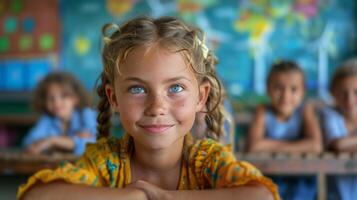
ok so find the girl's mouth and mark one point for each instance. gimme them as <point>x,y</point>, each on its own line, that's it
<point>156,128</point>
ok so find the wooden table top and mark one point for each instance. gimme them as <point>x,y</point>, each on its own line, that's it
<point>17,162</point>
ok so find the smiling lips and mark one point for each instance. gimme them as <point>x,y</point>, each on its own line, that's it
<point>156,128</point>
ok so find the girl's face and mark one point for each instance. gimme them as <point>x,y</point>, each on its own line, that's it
<point>157,96</point>
<point>346,96</point>
<point>60,102</point>
<point>286,91</point>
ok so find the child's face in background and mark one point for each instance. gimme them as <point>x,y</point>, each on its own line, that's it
<point>345,95</point>
<point>60,102</point>
<point>286,91</point>
<point>157,96</point>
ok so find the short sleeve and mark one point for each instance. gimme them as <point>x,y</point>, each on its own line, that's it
<point>97,167</point>
<point>333,125</point>
<point>217,167</point>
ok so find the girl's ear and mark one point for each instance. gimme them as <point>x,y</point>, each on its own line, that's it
<point>204,90</point>
<point>110,92</point>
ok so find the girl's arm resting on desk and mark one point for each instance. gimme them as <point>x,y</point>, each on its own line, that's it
<point>62,190</point>
<point>62,142</point>
<point>55,142</point>
<point>312,130</point>
<point>141,190</point>
<point>270,145</point>
<point>345,144</point>
<point>252,192</point>
<point>75,143</point>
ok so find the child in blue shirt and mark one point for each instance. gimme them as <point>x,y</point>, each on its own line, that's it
<point>287,125</point>
<point>67,123</point>
<point>339,123</point>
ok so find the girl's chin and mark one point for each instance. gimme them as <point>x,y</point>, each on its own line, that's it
<point>160,143</point>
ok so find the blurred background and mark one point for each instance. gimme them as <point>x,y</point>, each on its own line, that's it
<point>41,36</point>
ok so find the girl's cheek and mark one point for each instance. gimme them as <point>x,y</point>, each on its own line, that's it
<point>179,103</point>
<point>183,100</point>
<point>184,106</point>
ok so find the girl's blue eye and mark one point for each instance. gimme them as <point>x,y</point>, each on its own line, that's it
<point>136,90</point>
<point>176,88</point>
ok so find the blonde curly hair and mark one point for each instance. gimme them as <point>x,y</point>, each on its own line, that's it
<point>173,35</point>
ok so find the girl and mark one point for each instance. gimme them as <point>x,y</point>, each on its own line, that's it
<point>340,122</point>
<point>287,125</point>
<point>67,123</point>
<point>157,75</point>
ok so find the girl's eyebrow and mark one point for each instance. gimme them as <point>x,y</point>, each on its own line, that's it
<point>136,79</point>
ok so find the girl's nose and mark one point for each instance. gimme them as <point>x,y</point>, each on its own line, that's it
<point>157,105</point>
<point>286,94</point>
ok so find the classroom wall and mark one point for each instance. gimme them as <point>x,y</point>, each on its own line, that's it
<point>247,37</point>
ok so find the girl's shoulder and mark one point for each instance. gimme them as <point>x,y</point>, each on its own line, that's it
<point>208,144</point>
<point>206,150</point>
<point>262,108</point>
<point>106,148</point>
<point>86,111</point>
<point>331,112</point>
<point>46,119</point>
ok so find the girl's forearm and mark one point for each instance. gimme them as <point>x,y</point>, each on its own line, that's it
<point>346,144</point>
<point>63,191</point>
<point>300,146</point>
<point>62,142</point>
<point>244,192</point>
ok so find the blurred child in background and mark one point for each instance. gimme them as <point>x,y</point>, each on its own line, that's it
<point>66,122</point>
<point>339,123</point>
<point>288,125</point>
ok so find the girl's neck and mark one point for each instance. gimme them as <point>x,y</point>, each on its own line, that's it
<point>64,125</point>
<point>281,116</point>
<point>158,160</point>
<point>159,167</point>
<point>66,118</point>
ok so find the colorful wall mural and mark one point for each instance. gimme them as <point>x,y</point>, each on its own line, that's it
<point>247,36</point>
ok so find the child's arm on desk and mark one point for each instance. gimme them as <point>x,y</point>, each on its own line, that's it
<point>252,192</point>
<point>310,143</point>
<point>141,190</point>
<point>345,144</point>
<point>62,191</point>
<point>75,143</point>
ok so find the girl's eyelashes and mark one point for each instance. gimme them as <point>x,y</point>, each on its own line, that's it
<point>176,88</point>
<point>136,89</point>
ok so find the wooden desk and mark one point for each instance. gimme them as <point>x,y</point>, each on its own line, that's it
<point>18,120</point>
<point>20,163</point>
<point>304,164</point>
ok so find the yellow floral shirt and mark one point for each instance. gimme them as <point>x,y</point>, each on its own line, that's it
<point>107,163</point>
